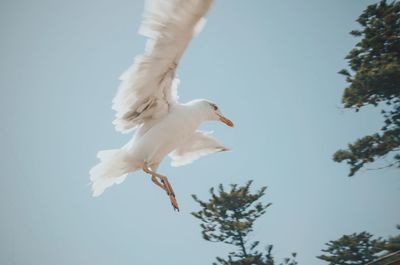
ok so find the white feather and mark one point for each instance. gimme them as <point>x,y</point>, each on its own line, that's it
<point>198,145</point>
<point>146,89</point>
<point>112,169</point>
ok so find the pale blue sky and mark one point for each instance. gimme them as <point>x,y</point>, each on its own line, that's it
<point>272,68</point>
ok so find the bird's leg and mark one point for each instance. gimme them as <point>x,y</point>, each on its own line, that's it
<point>155,181</point>
<point>170,191</point>
<point>165,185</point>
<point>154,177</point>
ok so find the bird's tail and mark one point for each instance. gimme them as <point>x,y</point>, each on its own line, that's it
<point>113,168</point>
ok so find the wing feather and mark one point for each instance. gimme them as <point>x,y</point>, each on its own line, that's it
<point>200,144</point>
<point>148,87</point>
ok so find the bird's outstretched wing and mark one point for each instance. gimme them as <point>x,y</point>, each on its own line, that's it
<point>148,87</point>
<point>199,144</point>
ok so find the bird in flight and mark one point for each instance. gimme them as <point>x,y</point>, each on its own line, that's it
<point>147,102</point>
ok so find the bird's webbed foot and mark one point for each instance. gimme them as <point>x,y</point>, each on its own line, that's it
<point>162,182</point>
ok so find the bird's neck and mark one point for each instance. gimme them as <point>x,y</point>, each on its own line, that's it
<point>197,111</point>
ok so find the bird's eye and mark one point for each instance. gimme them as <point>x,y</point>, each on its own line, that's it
<point>214,106</point>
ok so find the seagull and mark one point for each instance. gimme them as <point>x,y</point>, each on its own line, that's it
<point>147,102</point>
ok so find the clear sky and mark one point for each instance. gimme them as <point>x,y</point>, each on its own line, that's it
<point>272,68</point>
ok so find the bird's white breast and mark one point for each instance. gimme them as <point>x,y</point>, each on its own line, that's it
<point>164,136</point>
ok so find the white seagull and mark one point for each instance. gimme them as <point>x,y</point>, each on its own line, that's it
<point>147,102</point>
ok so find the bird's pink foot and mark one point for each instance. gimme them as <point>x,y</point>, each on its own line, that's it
<point>174,202</point>
<point>170,193</point>
<point>165,185</point>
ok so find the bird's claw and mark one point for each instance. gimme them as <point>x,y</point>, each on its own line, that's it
<point>174,202</point>
<point>171,194</point>
<point>165,185</point>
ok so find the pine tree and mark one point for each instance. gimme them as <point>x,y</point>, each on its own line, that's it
<point>393,243</point>
<point>228,217</point>
<point>374,79</point>
<point>354,249</point>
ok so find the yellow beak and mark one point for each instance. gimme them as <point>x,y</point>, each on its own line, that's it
<point>226,121</point>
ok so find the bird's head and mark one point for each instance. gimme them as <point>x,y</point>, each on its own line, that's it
<point>214,113</point>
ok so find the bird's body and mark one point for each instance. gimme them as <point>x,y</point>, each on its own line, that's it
<point>153,142</point>
<point>147,102</point>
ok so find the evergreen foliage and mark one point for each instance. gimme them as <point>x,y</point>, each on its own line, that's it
<point>393,243</point>
<point>228,217</point>
<point>354,249</point>
<point>374,79</point>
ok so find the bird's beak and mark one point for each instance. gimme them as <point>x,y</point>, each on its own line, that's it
<point>225,120</point>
